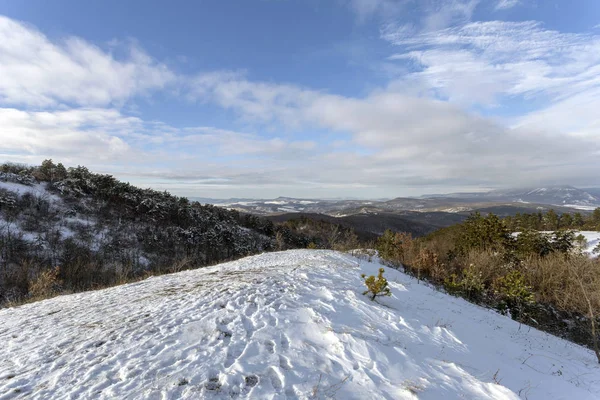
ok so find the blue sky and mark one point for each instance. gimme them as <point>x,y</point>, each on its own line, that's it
<point>341,98</point>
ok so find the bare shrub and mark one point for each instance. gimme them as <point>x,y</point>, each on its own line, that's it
<point>364,254</point>
<point>548,276</point>
<point>395,247</point>
<point>181,264</point>
<point>280,241</point>
<point>47,284</point>
<point>583,293</point>
<point>428,262</point>
<point>16,278</point>
<point>489,265</point>
<point>347,241</point>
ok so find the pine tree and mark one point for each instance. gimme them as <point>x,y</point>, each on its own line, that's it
<point>566,221</point>
<point>596,218</point>
<point>376,286</point>
<point>551,220</point>
<point>578,220</point>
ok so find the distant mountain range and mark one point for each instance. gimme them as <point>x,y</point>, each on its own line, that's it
<point>561,198</point>
<point>420,215</point>
<point>567,196</point>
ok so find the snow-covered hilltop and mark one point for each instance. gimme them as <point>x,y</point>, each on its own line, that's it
<point>290,325</point>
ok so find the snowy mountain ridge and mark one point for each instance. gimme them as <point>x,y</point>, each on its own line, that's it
<point>567,196</point>
<point>288,325</point>
<point>562,198</point>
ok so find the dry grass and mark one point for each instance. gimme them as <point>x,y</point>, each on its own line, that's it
<point>47,284</point>
<point>558,279</point>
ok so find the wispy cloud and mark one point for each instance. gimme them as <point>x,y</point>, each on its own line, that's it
<point>431,140</point>
<point>424,14</point>
<point>365,9</point>
<point>506,4</point>
<point>477,62</point>
<point>441,14</point>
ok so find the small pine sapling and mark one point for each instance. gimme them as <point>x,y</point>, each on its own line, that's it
<point>514,294</point>
<point>376,286</point>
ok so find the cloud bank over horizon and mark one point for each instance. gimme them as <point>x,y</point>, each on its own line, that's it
<point>459,95</point>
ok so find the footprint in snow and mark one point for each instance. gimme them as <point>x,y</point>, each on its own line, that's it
<point>251,309</point>
<point>249,326</point>
<point>285,342</point>
<point>251,380</point>
<point>270,345</point>
<point>285,363</point>
<point>233,354</point>
<point>272,320</point>
<point>275,378</point>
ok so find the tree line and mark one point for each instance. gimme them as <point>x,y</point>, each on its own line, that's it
<point>551,221</point>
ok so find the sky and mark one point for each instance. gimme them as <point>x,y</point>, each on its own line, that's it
<point>312,98</point>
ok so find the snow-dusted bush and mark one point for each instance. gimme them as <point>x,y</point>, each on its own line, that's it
<point>22,178</point>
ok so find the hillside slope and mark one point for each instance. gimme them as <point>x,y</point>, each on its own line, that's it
<point>289,325</point>
<point>101,231</point>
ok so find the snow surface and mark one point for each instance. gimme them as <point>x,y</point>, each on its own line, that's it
<point>593,239</point>
<point>289,325</point>
<point>39,189</point>
<point>580,206</point>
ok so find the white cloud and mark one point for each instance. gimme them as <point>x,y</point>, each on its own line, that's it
<point>574,117</point>
<point>394,142</point>
<point>400,140</point>
<point>131,148</point>
<point>214,142</point>
<point>35,71</point>
<point>85,134</point>
<point>506,4</point>
<point>394,138</point>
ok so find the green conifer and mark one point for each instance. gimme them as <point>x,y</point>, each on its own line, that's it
<point>376,286</point>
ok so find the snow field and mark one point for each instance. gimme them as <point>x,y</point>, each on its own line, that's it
<point>288,325</point>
